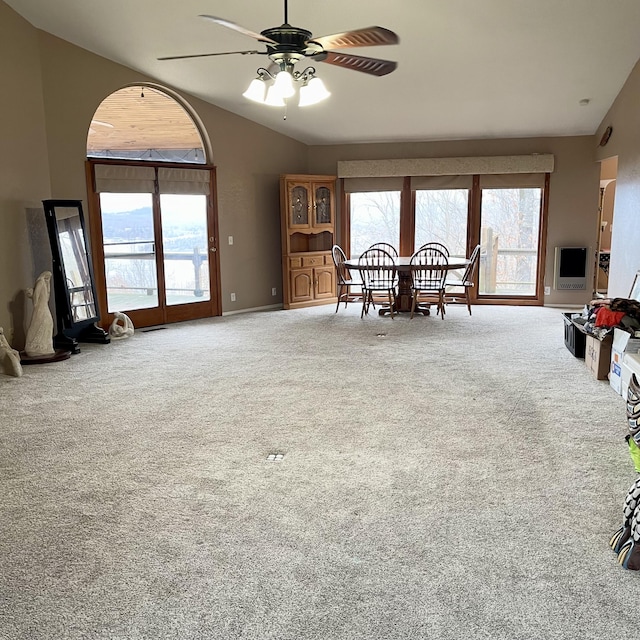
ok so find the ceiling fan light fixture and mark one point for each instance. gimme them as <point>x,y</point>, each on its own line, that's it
<point>256,90</point>
<point>287,45</point>
<point>313,92</point>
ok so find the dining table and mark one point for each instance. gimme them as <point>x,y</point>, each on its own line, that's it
<point>404,296</point>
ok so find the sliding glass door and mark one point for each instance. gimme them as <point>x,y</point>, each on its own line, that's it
<point>510,235</point>
<point>156,242</point>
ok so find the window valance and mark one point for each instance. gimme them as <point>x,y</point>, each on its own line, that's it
<point>116,178</point>
<point>479,165</point>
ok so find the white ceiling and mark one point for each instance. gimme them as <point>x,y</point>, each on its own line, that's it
<point>466,68</point>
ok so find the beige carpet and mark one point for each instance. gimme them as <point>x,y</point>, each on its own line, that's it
<point>441,479</point>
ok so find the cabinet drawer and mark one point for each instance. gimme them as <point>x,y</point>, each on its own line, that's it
<point>312,261</point>
<point>295,263</point>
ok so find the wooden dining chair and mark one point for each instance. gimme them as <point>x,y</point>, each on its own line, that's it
<point>379,277</point>
<point>437,245</point>
<point>349,287</point>
<point>466,282</point>
<point>389,248</point>
<point>428,276</point>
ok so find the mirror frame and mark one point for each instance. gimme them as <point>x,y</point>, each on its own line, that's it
<point>70,330</point>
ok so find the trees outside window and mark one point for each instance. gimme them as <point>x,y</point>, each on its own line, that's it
<point>509,233</point>
<point>441,216</point>
<point>375,217</point>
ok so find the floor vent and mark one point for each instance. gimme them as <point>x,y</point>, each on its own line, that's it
<point>275,457</point>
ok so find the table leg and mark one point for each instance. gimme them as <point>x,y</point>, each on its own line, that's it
<point>404,297</point>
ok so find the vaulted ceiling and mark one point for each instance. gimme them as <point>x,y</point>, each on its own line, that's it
<point>466,68</point>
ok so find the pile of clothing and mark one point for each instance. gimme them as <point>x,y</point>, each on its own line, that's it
<point>601,316</point>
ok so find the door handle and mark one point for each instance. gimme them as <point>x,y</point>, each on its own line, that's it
<point>213,249</point>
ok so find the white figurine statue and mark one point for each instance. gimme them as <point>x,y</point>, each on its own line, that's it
<point>124,330</point>
<point>40,333</point>
<point>9,358</point>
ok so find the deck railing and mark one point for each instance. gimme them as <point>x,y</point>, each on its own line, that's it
<point>140,282</point>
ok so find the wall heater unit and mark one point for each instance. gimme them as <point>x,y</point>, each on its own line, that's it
<point>570,268</point>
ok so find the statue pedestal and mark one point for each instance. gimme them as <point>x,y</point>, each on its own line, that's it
<point>91,333</point>
<point>57,356</point>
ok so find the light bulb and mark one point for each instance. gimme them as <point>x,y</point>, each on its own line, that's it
<point>274,97</point>
<point>256,90</point>
<point>313,92</point>
<point>284,82</point>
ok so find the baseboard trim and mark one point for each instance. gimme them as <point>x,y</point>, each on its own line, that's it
<point>271,307</point>
<point>577,307</point>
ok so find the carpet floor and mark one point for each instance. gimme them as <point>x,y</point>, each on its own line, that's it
<point>439,479</point>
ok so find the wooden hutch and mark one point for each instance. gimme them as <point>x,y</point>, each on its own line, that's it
<point>308,207</point>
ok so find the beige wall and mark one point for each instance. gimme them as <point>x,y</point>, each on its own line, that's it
<point>624,117</point>
<point>574,188</point>
<point>24,170</point>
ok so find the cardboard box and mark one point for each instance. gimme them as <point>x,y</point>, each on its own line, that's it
<point>597,356</point>
<point>623,343</point>
<point>630,364</point>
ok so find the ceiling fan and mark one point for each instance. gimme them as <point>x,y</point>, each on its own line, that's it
<point>286,45</point>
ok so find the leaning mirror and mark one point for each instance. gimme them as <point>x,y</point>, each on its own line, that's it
<point>75,296</point>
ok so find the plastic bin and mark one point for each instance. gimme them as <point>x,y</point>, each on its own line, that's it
<point>574,338</point>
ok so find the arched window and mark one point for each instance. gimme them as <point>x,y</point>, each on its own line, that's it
<point>144,123</point>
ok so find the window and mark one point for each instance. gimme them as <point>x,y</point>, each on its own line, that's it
<point>509,234</point>
<point>186,254</point>
<point>504,213</point>
<point>129,251</point>
<point>144,123</point>
<point>375,217</point>
<point>441,216</point>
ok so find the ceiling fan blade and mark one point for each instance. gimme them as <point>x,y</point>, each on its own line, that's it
<point>372,66</point>
<point>205,55</point>
<point>367,37</point>
<point>238,28</point>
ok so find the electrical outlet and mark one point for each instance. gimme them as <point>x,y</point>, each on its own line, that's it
<point>274,292</point>
<point>547,291</point>
<point>233,297</point>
